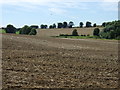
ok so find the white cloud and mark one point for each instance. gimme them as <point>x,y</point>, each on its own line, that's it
<point>109,6</point>
<point>56,6</point>
<point>57,10</point>
<point>110,0</point>
<point>48,1</point>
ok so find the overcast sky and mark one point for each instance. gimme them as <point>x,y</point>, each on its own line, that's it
<point>37,12</point>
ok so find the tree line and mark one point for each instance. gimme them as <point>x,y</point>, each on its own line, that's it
<point>28,30</point>
<point>31,30</point>
<point>111,30</point>
<point>67,25</point>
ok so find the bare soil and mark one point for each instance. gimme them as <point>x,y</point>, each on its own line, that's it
<point>46,62</point>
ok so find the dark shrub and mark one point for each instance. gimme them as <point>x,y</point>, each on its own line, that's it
<point>10,29</point>
<point>75,33</point>
<point>94,25</point>
<point>28,30</point>
<point>61,35</point>
<point>33,32</point>
<point>88,34</point>
<point>25,30</point>
<point>34,26</point>
<point>111,30</point>
<point>96,32</point>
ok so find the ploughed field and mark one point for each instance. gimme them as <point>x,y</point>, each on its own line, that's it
<point>46,62</point>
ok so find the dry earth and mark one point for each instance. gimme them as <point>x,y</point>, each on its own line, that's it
<point>46,62</point>
<point>57,32</point>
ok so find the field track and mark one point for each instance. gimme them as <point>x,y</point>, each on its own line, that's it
<point>45,62</point>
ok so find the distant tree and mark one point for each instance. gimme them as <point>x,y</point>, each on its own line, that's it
<point>33,31</point>
<point>111,30</point>
<point>81,24</point>
<point>104,24</point>
<point>34,26</point>
<point>50,26</point>
<point>10,29</point>
<point>96,32</point>
<point>25,30</point>
<point>43,26</point>
<point>88,24</point>
<point>60,25</point>
<point>65,25</point>
<point>70,24</point>
<point>117,32</point>
<point>3,28</point>
<point>112,34</point>
<point>54,25</point>
<point>75,33</point>
<point>18,29</point>
<point>28,30</point>
<point>94,25</point>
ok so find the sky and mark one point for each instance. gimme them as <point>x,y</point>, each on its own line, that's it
<point>37,12</point>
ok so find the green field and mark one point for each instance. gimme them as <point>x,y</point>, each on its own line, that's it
<point>76,37</point>
<point>18,32</point>
<point>83,37</point>
<point>2,31</point>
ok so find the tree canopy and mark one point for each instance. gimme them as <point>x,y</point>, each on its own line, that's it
<point>81,24</point>
<point>88,24</point>
<point>111,30</point>
<point>10,29</point>
<point>75,33</point>
<point>96,32</point>
<point>28,30</point>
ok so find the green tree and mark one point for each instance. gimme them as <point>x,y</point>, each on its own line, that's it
<point>34,26</point>
<point>94,25</point>
<point>111,35</point>
<point>96,32</point>
<point>33,31</point>
<point>25,30</point>
<point>50,27</point>
<point>70,24</point>
<point>75,33</point>
<point>54,25</point>
<point>10,29</point>
<point>111,30</point>
<point>88,24</point>
<point>104,24</point>
<point>65,25</point>
<point>81,24</point>
<point>28,30</point>
<point>60,25</point>
<point>43,26</point>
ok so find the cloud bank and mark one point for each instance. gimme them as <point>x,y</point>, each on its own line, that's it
<point>57,6</point>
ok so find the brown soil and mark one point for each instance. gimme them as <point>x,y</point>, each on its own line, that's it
<point>47,62</point>
<point>57,32</point>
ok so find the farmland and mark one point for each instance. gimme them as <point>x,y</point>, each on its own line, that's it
<point>42,61</point>
<point>57,32</point>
